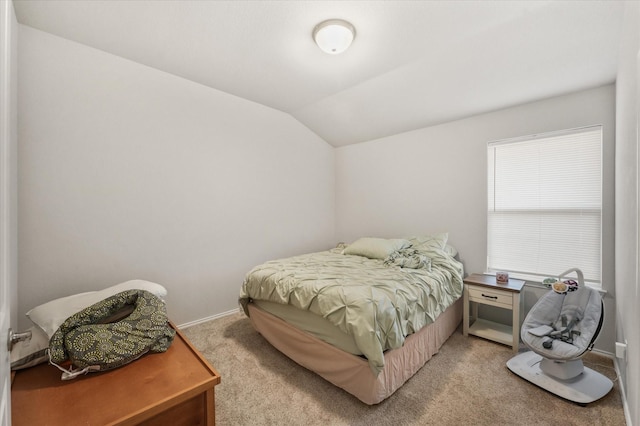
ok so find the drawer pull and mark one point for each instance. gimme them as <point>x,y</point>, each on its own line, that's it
<point>489,297</point>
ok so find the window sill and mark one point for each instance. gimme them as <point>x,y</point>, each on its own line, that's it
<point>537,284</point>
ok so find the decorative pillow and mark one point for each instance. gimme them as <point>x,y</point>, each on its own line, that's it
<point>438,241</point>
<point>31,352</point>
<point>451,250</point>
<point>49,316</point>
<point>376,248</point>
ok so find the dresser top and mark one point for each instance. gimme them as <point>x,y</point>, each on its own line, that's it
<point>125,395</point>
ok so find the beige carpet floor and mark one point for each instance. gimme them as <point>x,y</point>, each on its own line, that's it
<point>466,383</point>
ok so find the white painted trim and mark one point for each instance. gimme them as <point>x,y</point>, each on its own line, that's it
<point>604,353</point>
<point>6,249</point>
<point>207,319</point>
<point>623,395</point>
<point>536,284</point>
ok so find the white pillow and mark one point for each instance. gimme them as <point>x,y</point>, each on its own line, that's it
<point>28,353</point>
<point>376,248</point>
<point>426,242</point>
<point>451,250</point>
<point>49,316</point>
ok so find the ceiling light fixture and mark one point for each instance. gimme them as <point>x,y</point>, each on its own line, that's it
<point>334,35</point>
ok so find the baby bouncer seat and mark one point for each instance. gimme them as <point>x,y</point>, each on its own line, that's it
<point>559,329</point>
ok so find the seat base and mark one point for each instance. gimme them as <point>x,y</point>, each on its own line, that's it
<point>587,387</point>
<point>562,370</point>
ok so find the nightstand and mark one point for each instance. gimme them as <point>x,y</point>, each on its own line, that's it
<point>483,289</point>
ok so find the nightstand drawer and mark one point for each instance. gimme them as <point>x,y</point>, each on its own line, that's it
<point>488,296</point>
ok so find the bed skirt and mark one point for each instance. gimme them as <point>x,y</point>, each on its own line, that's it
<point>352,373</point>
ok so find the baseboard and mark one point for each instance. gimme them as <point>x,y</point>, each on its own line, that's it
<point>207,319</point>
<point>603,353</point>
<point>623,395</point>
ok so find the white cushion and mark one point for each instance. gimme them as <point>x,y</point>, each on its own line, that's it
<point>451,250</point>
<point>30,352</point>
<point>376,248</point>
<point>426,242</point>
<point>49,316</point>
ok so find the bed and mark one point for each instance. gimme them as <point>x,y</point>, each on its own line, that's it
<point>364,316</point>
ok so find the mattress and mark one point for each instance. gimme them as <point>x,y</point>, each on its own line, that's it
<point>315,325</point>
<point>377,301</point>
<point>351,372</point>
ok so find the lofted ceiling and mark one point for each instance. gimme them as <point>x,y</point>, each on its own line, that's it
<point>413,63</point>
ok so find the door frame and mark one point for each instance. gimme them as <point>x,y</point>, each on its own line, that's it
<point>8,196</point>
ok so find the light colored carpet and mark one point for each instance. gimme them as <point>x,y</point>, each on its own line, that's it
<point>466,383</point>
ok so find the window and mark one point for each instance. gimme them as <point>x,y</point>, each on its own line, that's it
<point>545,204</point>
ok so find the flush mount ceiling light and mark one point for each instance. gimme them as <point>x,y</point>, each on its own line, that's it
<point>334,35</point>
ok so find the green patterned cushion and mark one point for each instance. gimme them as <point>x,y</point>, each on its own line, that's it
<point>90,338</point>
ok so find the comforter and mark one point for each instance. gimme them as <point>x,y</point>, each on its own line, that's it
<point>378,302</point>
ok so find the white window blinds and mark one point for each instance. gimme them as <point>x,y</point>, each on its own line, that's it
<point>545,204</point>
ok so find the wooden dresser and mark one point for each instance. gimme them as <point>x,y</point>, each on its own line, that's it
<point>171,388</point>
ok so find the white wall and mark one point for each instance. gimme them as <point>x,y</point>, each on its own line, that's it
<point>627,216</point>
<point>128,172</point>
<point>435,179</point>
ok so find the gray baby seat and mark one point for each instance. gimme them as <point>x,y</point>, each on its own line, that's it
<point>559,329</point>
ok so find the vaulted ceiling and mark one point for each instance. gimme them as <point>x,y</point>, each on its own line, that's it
<point>412,64</point>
